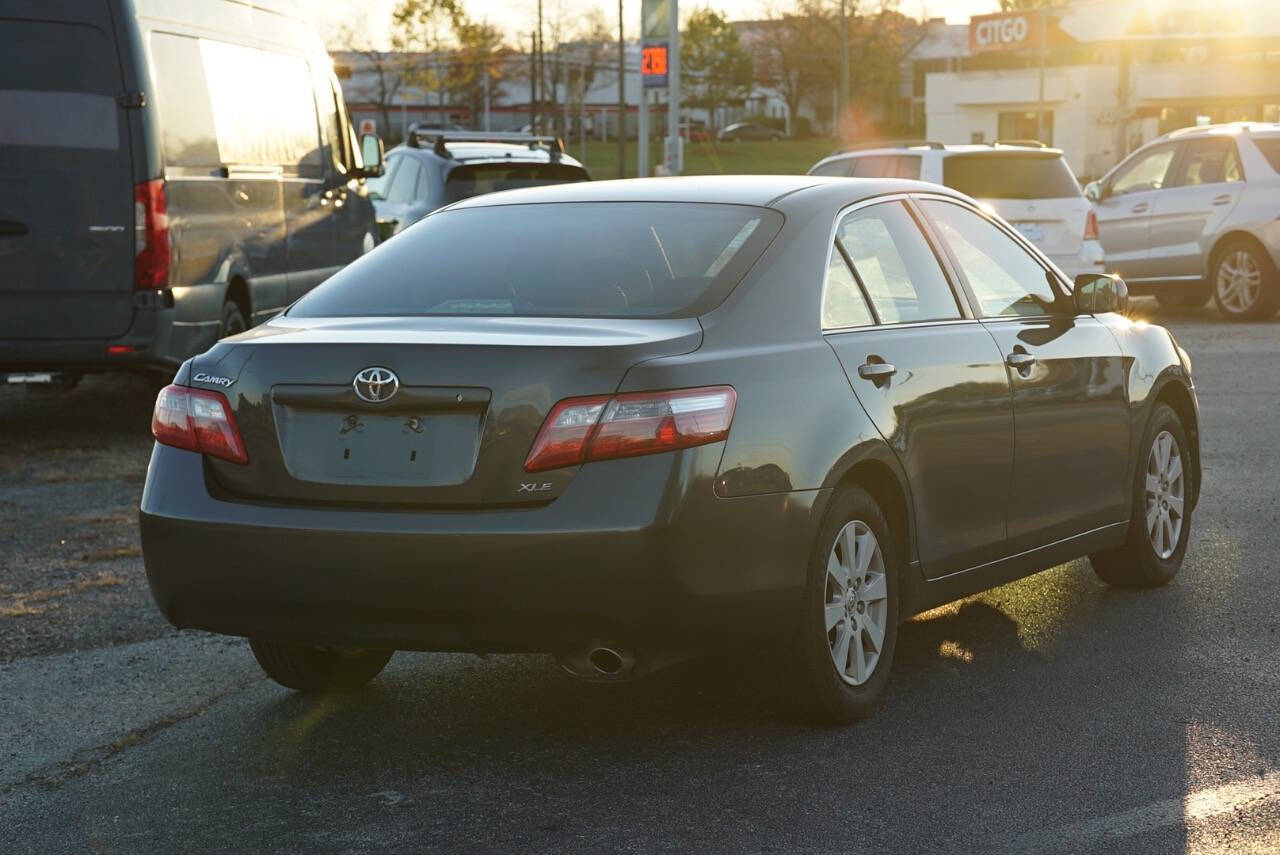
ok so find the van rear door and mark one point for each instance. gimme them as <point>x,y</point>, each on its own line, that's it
<point>66,183</point>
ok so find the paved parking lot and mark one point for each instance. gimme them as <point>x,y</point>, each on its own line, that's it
<point>1052,714</point>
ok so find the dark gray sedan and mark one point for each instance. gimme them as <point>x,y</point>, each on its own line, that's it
<point>625,421</point>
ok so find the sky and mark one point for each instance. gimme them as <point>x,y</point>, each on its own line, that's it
<point>518,16</point>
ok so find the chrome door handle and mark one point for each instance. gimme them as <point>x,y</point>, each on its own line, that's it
<point>876,371</point>
<point>1140,208</point>
<point>1020,361</point>
<point>1221,200</point>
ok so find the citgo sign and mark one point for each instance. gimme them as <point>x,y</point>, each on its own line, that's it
<point>1012,31</point>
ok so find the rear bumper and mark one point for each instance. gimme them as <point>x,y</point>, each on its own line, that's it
<point>1088,260</point>
<point>636,552</point>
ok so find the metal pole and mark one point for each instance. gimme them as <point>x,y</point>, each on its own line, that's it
<point>564,104</point>
<point>540,127</point>
<point>1044,52</point>
<point>622,97</point>
<point>642,136</point>
<point>533,81</point>
<point>673,97</point>
<point>486,99</point>
<point>844,71</point>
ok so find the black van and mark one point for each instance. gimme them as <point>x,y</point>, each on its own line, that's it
<point>170,172</point>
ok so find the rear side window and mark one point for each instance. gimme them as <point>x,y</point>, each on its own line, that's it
<point>58,86</point>
<point>225,104</point>
<point>465,181</point>
<point>1005,175</point>
<point>1208,161</point>
<point>837,168</point>
<point>842,302</point>
<point>1270,148</point>
<point>896,266</point>
<point>625,259</point>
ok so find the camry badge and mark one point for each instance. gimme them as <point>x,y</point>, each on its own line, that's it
<point>376,385</point>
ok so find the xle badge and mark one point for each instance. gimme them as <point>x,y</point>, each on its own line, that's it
<point>534,488</point>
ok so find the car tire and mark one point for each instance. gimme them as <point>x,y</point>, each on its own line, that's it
<point>821,693</point>
<point>1184,301</point>
<point>317,669</point>
<point>232,320</point>
<point>1244,282</point>
<point>1139,562</point>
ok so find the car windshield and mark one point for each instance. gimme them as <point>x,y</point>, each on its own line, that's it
<point>465,181</point>
<point>1010,176</point>
<point>617,259</point>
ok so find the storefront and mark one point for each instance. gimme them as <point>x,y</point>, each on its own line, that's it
<point>1115,75</point>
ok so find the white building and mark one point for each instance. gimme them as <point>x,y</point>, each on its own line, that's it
<point>1117,75</point>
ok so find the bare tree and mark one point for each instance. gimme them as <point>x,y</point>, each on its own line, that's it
<point>378,78</point>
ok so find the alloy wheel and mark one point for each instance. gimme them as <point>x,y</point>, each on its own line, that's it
<point>1165,494</point>
<point>857,603</point>
<point>1239,281</point>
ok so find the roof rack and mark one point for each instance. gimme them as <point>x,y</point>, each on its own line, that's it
<point>1022,143</point>
<point>863,146</point>
<point>440,140</point>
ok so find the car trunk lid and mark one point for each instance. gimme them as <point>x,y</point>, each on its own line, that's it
<point>471,395</point>
<point>1055,226</point>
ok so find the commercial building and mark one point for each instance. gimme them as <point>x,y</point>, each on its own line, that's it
<point>1116,74</point>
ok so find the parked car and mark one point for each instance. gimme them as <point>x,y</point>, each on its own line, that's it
<point>144,210</point>
<point>1026,183</point>
<point>749,131</point>
<point>432,170</point>
<point>1192,216</point>
<point>761,413</point>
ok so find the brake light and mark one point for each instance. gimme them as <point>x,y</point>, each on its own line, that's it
<point>150,237</point>
<point>197,420</point>
<point>578,430</point>
<point>1091,226</point>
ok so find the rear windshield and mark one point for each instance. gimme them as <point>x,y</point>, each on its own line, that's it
<point>1270,148</point>
<point>465,181</point>
<point>1010,176</point>
<point>58,86</point>
<point>613,259</point>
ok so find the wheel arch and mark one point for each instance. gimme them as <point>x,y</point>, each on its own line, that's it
<point>1171,391</point>
<point>1223,240</point>
<point>238,293</point>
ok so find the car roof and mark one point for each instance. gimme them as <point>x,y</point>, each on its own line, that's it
<point>477,152</point>
<point>1264,129</point>
<point>943,150</point>
<point>759,190</point>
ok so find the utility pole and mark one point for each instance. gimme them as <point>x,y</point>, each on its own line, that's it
<point>486,98</point>
<point>1044,53</point>
<point>622,97</point>
<point>540,127</point>
<point>844,71</point>
<point>533,81</point>
<point>673,90</point>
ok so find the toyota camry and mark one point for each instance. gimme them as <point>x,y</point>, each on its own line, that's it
<point>623,422</point>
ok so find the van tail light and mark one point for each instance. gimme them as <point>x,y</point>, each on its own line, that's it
<point>579,430</point>
<point>197,420</point>
<point>150,237</point>
<point>1091,226</point>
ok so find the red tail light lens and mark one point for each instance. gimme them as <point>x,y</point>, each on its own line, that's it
<point>1091,226</point>
<point>151,237</point>
<point>197,420</point>
<point>599,428</point>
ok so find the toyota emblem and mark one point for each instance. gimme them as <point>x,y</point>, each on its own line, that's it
<point>376,385</point>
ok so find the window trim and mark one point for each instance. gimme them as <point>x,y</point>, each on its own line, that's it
<point>1061,289</point>
<point>959,292</point>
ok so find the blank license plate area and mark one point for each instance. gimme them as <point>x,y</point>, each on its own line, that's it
<point>1033,232</point>
<point>403,449</point>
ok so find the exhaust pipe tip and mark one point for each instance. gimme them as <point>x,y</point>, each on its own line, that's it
<point>606,660</point>
<point>598,662</point>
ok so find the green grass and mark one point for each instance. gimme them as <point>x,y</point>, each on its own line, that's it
<point>793,157</point>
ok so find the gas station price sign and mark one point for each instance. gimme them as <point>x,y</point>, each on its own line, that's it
<point>653,65</point>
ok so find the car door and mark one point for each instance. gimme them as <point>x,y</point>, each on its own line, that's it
<point>1124,212</point>
<point>930,378</point>
<point>1070,404</point>
<point>1203,187</point>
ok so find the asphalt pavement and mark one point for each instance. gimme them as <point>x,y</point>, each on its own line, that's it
<point>1049,715</point>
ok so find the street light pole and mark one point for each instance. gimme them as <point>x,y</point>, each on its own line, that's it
<point>1044,52</point>
<point>622,97</point>
<point>844,70</point>
<point>673,92</point>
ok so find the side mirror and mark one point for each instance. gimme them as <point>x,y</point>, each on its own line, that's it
<point>1093,191</point>
<point>371,153</point>
<point>1101,292</point>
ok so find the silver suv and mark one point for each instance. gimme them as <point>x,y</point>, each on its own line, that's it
<point>1193,215</point>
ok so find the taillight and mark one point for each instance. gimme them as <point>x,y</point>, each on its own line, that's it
<point>1091,226</point>
<point>197,420</point>
<point>599,428</point>
<point>150,237</point>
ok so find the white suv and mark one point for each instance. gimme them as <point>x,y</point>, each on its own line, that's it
<point>1194,215</point>
<point>1026,184</point>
